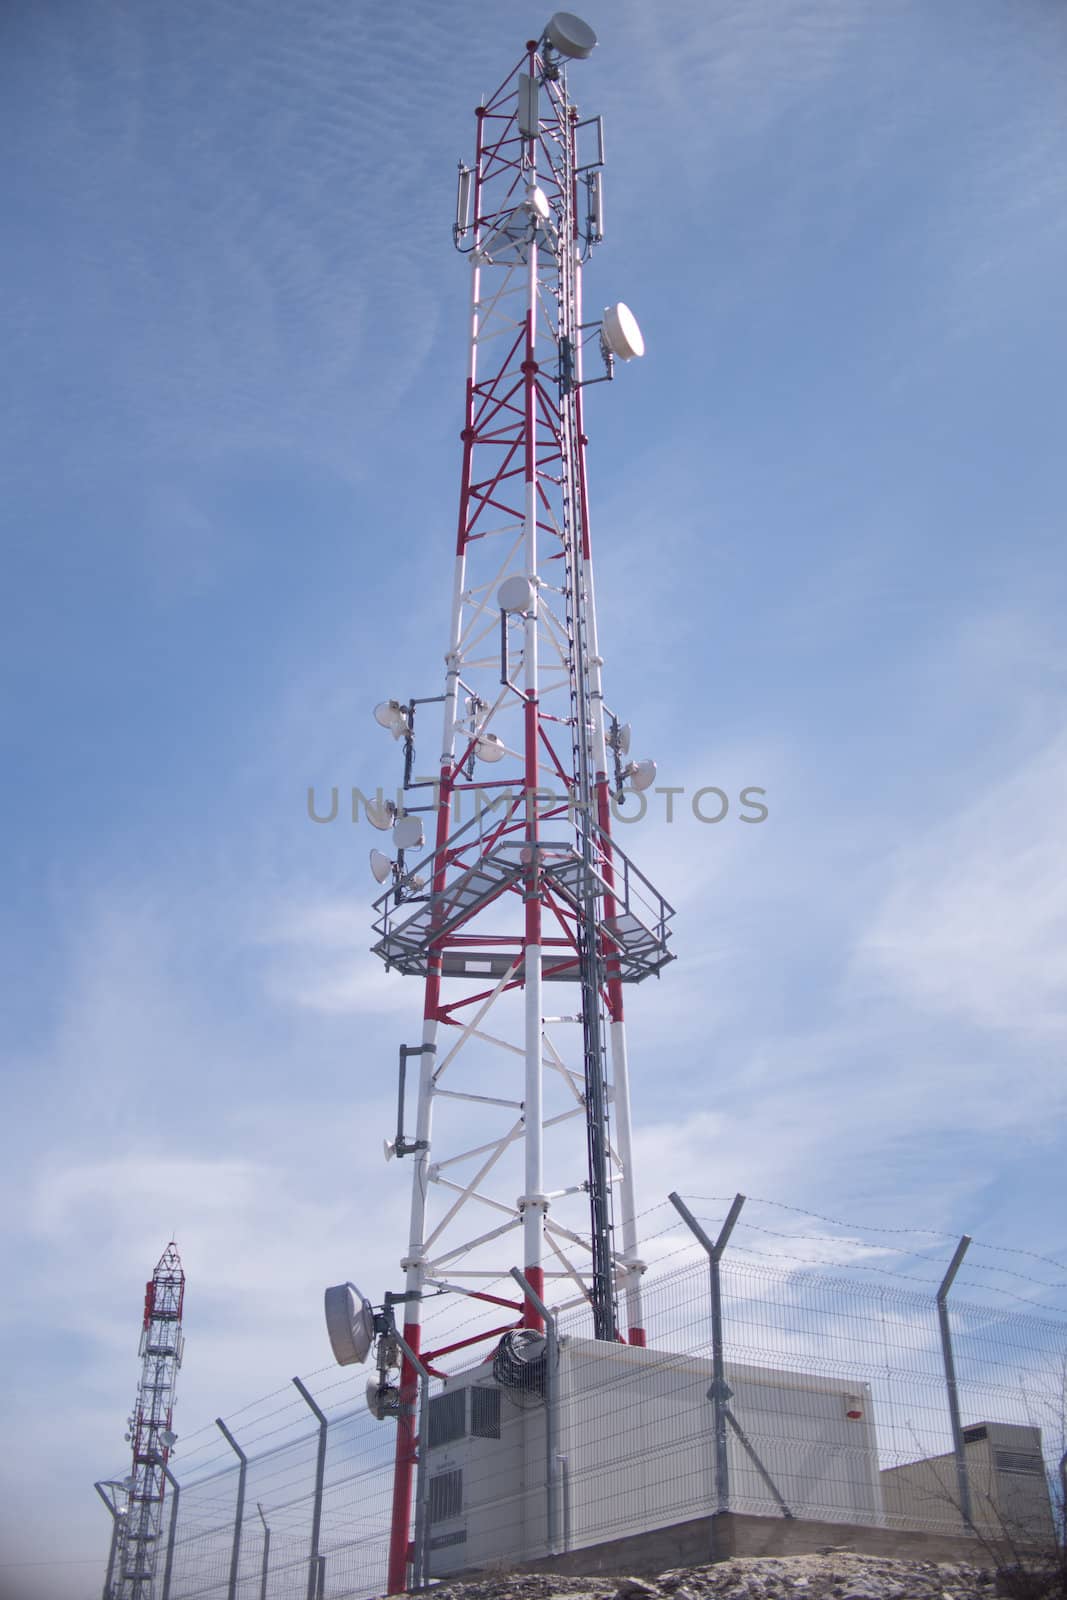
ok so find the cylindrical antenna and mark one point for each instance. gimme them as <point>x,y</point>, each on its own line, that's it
<point>463,200</point>
<point>594,222</point>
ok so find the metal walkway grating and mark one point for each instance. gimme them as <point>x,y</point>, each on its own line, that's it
<point>636,937</point>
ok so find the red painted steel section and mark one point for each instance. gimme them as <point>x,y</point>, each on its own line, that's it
<point>404,1470</point>
<point>474,1338</point>
<point>531,1317</point>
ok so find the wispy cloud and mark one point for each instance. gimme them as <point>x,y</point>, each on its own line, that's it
<point>974,924</point>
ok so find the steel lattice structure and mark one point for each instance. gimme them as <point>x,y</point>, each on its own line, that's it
<point>139,1526</point>
<point>522,1140</point>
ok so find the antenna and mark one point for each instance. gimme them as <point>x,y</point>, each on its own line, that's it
<point>407,833</point>
<point>463,203</point>
<point>381,866</point>
<point>381,814</point>
<point>392,715</point>
<point>349,1324</point>
<point>570,36</point>
<point>641,775</point>
<point>620,334</point>
<point>489,747</point>
<point>594,222</point>
<point>516,594</point>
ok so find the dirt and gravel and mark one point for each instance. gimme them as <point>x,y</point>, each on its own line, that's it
<point>832,1576</point>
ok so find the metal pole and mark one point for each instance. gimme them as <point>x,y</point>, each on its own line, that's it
<point>266,1554</point>
<point>99,1487</point>
<point>551,1408</point>
<point>720,1392</point>
<point>963,1487</point>
<point>422,1494</point>
<point>168,1567</point>
<point>1063,1495</point>
<point>320,1468</point>
<point>422,1490</point>
<point>565,1485</point>
<point>238,1516</point>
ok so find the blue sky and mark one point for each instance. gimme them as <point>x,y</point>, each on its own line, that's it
<point>828,513</point>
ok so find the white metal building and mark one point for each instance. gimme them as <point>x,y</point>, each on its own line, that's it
<point>635,1451</point>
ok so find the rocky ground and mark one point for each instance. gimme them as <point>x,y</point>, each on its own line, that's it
<point>833,1576</point>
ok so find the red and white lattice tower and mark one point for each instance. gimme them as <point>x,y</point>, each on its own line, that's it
<point>151,1428</point>
<point>520,915</point>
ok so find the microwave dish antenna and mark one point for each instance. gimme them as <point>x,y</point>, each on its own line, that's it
<point>570,36</point>
<point>407,833</point>
<point>516,595</point>
<point>381,866</point>
<point>349,1324</point>
<point>381,814</point>
<point>620,332</point>
<point>490,747</point>
<point>392,715</point>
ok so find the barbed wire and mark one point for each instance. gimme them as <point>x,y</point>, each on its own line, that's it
<point>782,1258</point>
<point>836,1222</point>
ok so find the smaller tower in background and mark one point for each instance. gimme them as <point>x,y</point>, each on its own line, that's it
<point>151,1428</point>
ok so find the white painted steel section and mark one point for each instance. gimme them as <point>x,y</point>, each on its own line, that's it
<point>414,1263</point>
<point>619,1057</point>
<point>627,1222</point>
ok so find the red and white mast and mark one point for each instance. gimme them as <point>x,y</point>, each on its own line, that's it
<point>151,1428</point>
<point>522,917</point>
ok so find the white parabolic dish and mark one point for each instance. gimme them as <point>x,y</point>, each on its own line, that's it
<point>490,747</point>
<point>621,334</point>
<point>380,865</point>
<point>407,834</point>
<point>381,814</point>
<point>516,593</point>
<point>570,35</point>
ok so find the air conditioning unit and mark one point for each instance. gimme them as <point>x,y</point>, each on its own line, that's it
<point>1008,1485</point>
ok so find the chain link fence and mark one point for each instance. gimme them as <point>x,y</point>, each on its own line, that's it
<point>773,1389</point>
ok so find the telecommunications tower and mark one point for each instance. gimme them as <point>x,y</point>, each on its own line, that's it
<point>138,1525</point>
<point>515,907</point>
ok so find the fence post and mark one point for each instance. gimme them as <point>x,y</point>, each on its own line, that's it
<point>169,1564</point>
<point>963,1487</point>
<point>238,1516</point>
<point>551,1411</point>
<point>720,1394</point>
<point>114,1513</point>
<point>265,1568</point>
<point>320,1468</point>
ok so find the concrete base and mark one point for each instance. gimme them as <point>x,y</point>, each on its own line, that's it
<point>717,1538</point>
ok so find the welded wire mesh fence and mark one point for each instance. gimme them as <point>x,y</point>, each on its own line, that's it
<point>832,1413</point>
